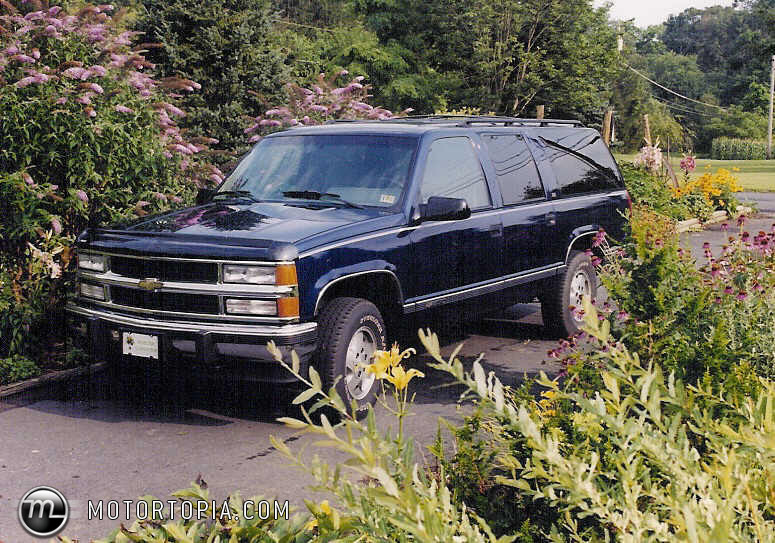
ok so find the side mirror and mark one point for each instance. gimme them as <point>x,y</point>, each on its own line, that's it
<point>445,209</point>
<point>204,196</point>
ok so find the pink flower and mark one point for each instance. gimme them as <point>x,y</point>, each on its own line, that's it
<point>599,238</point>
<point>176,199</point>
<point>24,59</point>
<point>81,195</point>
<point>28,179</point>
<point>95,87</point>
<point>742,295</point>
<point>56,225</point>
<point>122,109</point>
<point>25,81</point>
<point>174,110</point>
<point>75,72</point>
<point>160,196</point>
<point>254,138</point>
<point>688,164</point>
<point>60,101</point>
<point>741,220</point>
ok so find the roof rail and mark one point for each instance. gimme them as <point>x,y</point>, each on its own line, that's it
<point>468,120</point>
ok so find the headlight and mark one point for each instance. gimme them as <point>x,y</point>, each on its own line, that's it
<point>255,275</point>
<point>92,262</point>
<point>244,306</point>
<point>92,291</point>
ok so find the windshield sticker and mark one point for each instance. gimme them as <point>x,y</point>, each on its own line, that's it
<point>387,199</point>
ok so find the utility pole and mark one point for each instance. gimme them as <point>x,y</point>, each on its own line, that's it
<point>772,97</point>
<point>646,129</point>
<point>540,112</point>
<point>607,121</point>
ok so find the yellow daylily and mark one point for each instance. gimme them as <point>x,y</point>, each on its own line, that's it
<point>384,360</point>
<point>325,510</point>
<point>400,378</point>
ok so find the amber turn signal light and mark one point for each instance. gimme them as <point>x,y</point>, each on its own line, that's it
<point>285,274</point>
<point>288,307</point>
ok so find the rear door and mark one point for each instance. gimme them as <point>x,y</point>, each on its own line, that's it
<point>587,192</point>
<point>527,216</point>
<point>450,257</point>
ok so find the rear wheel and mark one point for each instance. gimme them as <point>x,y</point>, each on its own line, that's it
<point>350,330</point>
<point>567,293</point>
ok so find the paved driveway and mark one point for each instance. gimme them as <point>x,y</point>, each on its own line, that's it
<point>93,448</point>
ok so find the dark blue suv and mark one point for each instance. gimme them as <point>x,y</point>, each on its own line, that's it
<point>327,239</point>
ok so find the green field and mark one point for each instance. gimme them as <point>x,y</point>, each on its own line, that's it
<point>754,175</point>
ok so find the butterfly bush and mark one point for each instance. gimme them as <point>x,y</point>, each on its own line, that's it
<point>88,135</point>
<point>322,102</point>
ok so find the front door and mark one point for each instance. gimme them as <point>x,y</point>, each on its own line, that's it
<point>450,258</point>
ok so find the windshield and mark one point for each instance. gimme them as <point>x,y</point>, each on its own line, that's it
<point>366,170</point>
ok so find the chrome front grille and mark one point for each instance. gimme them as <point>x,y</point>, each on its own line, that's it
<point>164,301</point>
<point>179,289</point>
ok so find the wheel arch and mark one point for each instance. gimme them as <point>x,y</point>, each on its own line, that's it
<point>581,239</point>
<point>380,287</point>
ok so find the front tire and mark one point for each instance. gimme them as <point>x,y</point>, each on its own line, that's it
<point>350,331</point>
<point>566,293</point>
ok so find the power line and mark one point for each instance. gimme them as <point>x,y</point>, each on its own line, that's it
<point>672,105</point>
<point>671,91</point>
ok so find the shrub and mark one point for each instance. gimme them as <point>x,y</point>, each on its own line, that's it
<point>87,136</point>
<point>323,102</point>
<point>716,189</point>
<point>227,46</point>
<point>652,190</point>
<point>738,149</point>
<point>16,368</point>
<point>643,457</point>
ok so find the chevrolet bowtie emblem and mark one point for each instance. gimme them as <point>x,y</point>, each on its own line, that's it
<point>150,283</point>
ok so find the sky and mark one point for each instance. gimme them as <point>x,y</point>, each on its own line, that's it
<point>650,12</point>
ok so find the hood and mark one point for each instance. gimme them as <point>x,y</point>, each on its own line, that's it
<point>227,230</point>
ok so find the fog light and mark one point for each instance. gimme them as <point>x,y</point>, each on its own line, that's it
<point>245,306</point>
<point>92,291</point>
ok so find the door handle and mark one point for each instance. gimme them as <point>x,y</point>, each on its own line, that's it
<point>496,230</point>
<point>551,219</point>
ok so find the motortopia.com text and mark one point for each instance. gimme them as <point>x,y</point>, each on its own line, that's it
<point>158,510</point>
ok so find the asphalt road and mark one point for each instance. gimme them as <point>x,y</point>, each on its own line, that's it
<point>92,447</point>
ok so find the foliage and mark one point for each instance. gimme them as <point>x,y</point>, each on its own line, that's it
<point>738,149</point>
<point>652,191</point>
<point>16,368</point>
<point>643,457</point>
<point>716,189</point>
<point>225,45</point>
<point>86,136</point>
<point>700,323</point>
<point>323,102</point>
<point>504,56</point>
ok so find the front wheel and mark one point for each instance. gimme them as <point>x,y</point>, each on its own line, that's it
<point>350,330</point>
<point>566,294</point>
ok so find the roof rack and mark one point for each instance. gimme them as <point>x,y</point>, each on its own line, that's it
<point>468,120</point>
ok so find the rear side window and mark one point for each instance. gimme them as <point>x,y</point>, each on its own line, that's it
<point>578,172</point>
<point>514,167</point>
<point>453,171</point>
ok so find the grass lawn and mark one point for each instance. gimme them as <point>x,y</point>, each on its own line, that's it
<point>754,175</point>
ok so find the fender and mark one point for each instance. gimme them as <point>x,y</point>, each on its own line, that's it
<point>335,276</point>
<point>578,233</point>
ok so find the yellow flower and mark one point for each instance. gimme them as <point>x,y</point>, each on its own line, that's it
<point>325,510</point>
<point>400,378</point>
<point>384,360</point>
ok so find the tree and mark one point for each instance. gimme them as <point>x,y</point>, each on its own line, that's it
<point>226,45</point>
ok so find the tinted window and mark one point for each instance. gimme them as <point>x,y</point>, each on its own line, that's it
<point>589,144</point>
<point>363,169</point>
<point>453,171</point>
<point>577,174</point>
<point>517,173</point>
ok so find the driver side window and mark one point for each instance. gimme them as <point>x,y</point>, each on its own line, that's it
<point>452,170</point>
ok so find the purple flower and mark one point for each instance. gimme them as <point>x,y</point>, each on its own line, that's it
<point>95,87</point>
<point>728,290</point>
<point>725,226</point>
<point>319,108</point>
<point>176,199</point>
<point>741,220</point>
<point>60,101</point>
<point>160,196</point>
<point>75,72</point>
<point>599,238</point>
<point>25,81</point>
<point>742,295</point>
<point>56,225</point>
<point>81,195</point>
<point>622,315</point>
<point>28,179</point>
<point>123,109</point>
<point>24,59</point>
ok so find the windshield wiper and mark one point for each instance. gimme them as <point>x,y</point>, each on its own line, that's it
<point>315,195</point>
<point>238,193</point>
